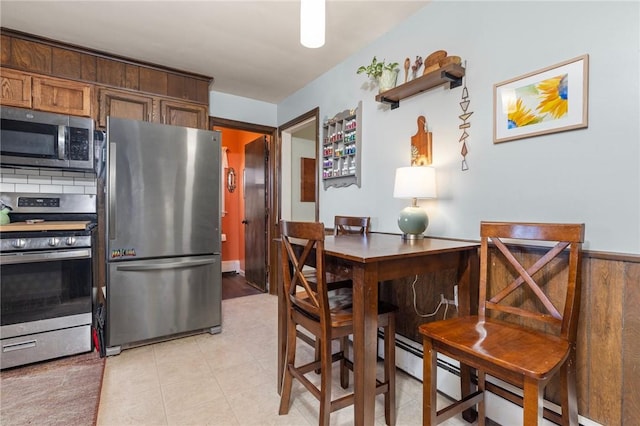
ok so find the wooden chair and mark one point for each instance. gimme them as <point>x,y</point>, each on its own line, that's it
<point>327,314</point>
<point>351,225</point>
<point>518,336</point>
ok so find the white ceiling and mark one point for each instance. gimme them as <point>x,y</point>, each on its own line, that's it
<point>250,48</point>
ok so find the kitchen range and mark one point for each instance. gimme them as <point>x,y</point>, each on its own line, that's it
<point>46,268</point>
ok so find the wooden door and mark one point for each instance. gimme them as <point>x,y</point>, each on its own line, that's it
<point>121,104</point>
<point>15,88</point>
<point>255,213</point>
<point>184,114</point>
<point>62,96</point>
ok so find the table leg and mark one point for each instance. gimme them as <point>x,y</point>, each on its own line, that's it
<point>365,335</point>
<point>468,304</point>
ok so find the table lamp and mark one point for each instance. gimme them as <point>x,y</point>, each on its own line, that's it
<point>414,182</point>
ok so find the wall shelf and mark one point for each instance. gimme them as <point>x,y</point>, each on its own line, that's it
<point>449,74</point>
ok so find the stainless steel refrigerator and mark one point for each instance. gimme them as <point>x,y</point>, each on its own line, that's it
<point>163,232</point>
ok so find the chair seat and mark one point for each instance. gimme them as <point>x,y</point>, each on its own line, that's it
<point>516,349</point>
<point>341,306</point>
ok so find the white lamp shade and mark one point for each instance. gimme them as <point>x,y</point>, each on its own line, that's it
<point>312,23</point>
<point>415,182</point>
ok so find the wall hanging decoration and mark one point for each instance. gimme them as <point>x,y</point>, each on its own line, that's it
<point>421,145</point>
<point>231,179</point>
<point>553,99</point>
<point>464,104</point>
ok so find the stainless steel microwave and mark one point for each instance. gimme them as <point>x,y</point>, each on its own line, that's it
<point>42,139</point>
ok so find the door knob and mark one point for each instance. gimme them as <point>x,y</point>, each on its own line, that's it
<point>245,221</point>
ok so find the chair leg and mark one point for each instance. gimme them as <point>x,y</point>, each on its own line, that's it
<point>285,397</point>
<point>317,349</point>
<point>429,383</point>
<point>390,371</point>
<point>532,402</point>
<point>569,399</point>
<point>482,409</point>
<point>325,381</point>
<point>344,370</point>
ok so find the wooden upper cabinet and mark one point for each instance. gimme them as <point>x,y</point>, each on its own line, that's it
<point>122,104</point>
<point>184,114</point>
<point>16,88</point>
<point>62,96</point>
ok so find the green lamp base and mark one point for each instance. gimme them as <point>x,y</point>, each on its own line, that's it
<point>413,221</point>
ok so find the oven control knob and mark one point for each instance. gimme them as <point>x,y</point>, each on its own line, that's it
<point>70,241</point>
<point>53,241</point>
<point>19,243</point>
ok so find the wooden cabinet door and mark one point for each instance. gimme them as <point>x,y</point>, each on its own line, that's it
<point>15,88</point>
<point>62,96</point>
<point>120,104</point>
<point>184,114</point>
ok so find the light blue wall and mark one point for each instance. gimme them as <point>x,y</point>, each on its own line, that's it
<point>590,175</point>
<point>231,107</point>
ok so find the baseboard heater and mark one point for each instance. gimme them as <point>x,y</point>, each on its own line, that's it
<point>500,404</point>
<point>230,266</point>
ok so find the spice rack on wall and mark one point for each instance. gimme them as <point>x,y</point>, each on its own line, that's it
<point>342,148</point>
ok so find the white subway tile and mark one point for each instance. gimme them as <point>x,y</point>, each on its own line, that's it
<point>7,170</point>
<point>32,172</point>
<point>47,172</point>
<point>39,180</point>
<point>73,174</point>
<point>68,189</point>
<point>7,187</point>
<point>27,188</point>
<point>61,180</point>
<point>90,190</point>
<point>15,179</point>
<point>84,181</point>
<point>51,189</point>
<point>90,175</point>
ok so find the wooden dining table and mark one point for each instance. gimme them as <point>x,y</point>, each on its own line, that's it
<point>369,259</point>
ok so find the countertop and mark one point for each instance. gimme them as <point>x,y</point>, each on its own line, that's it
<point>54,225</point>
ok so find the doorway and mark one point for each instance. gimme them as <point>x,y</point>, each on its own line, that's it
<point>235,252</point>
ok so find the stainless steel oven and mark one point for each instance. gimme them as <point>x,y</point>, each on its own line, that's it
<point>46,269</point>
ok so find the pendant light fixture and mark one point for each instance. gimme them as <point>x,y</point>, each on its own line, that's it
<point>312,23</point>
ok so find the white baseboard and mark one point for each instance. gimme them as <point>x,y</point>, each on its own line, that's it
<point>230,265</point>
<point>498,409</point>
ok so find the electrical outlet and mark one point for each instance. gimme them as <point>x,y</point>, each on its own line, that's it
<point>455,295</point>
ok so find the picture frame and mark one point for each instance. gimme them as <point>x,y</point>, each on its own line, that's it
<point>549,100</point>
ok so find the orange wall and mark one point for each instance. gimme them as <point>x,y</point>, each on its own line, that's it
<point>233,248</point>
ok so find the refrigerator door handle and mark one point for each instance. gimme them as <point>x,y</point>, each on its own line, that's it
<point>112,189</point>
<point>170,265</point>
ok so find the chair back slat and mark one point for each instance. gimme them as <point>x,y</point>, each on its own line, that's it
<point>532,301</point>
<point>344,225</point>
<point>299,291</point>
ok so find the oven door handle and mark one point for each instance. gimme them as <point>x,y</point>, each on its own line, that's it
<point>45,256</point>
<point>168,265</point>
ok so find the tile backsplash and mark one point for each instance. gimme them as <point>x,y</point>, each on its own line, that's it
<point>45,181</point>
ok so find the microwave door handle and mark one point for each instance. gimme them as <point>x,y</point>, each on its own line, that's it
<point>62,141</point>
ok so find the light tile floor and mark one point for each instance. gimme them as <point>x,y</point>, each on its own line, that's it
<point>226,379</point>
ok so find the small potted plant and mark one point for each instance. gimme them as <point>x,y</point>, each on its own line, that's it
<point>385,74</point>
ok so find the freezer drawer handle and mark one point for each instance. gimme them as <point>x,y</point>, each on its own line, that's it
<point>17,346</point>
<point>172,265</point>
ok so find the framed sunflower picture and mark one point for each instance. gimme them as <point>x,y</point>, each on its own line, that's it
<point>553,99</point>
